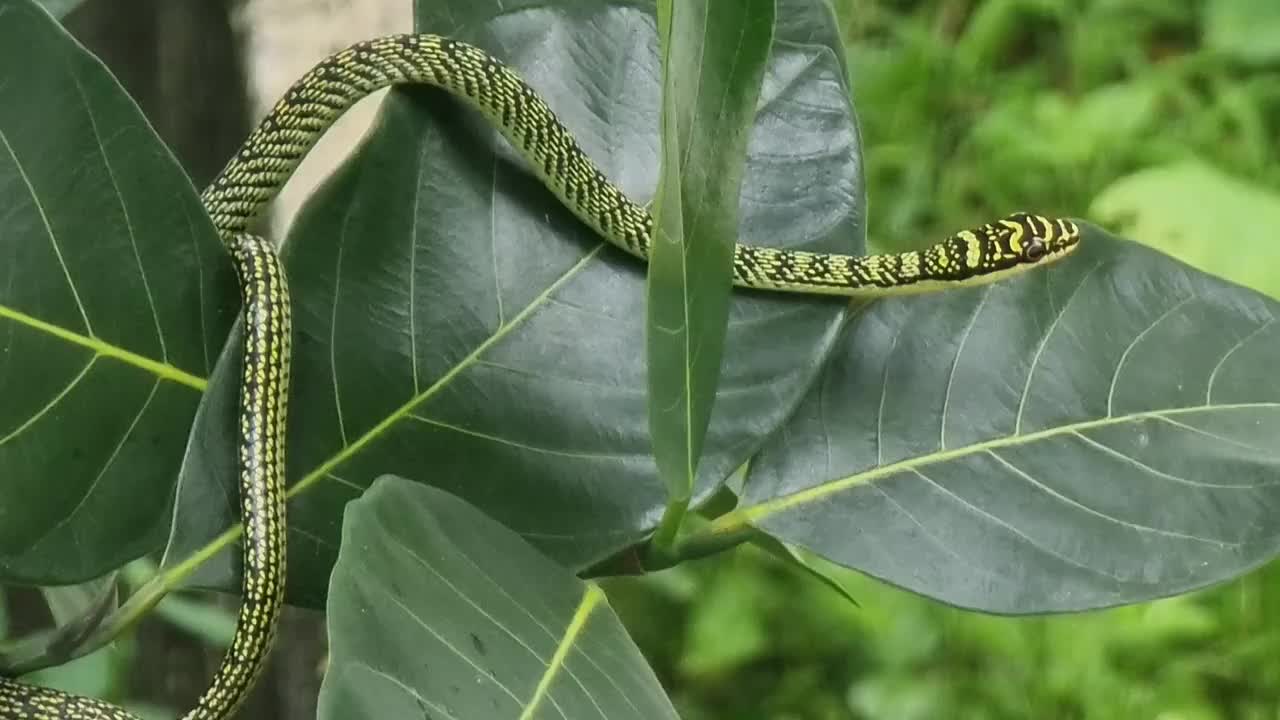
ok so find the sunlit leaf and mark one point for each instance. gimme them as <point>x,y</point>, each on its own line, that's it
<point>437,611</point>
<point>1187,209</point>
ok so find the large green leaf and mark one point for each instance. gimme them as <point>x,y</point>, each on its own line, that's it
<point>115,297</point>
<point>456,325</point>
<point>714,60</point>
<point>1187,208</point>
<point>437,611</point>
<point>1096,433</point>
<point>1245,31</point>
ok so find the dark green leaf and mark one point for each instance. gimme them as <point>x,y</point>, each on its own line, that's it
<point>455,324</point>
<point>114,299</point>
<point>715,56</point>
<point>437,611</point>
<point>1099,432</point>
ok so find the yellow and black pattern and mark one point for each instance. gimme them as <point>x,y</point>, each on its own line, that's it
<point>980,255</point>
<point>264,399</point>
<point>19,701</point>
<point>264,163</point>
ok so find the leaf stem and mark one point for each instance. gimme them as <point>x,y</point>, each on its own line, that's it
<point>662,549</point>
<point>717,536</point>
<point>127,615</point>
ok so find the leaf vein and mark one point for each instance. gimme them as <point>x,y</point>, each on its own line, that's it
<point>817,492</point>
<point>951,376</point>
<point>1011,528</point>
<point>466,598</point>
<point>423,702</point>
<point>518,605</point>
<point>1213,375</point>
<point>519,445</point>
<point>1138,527</point>
<point>333,332</point>
<point>934,539</point>
<point>48,227</point>
<point>884,391</point>
<point>441,639</point>
<point>52,402</point>
<point>493,241</point>
<point>1162,474</point>
<point>1044,341</point>
<point>106,465</point>
<point>100,144</point>
<point>1115,376</point>
<point>100,347</point>
<point>547,378</point>
<point>413,268</point>
<point>590,599</point>
<point>1215,436</point>
<point>404,410</point>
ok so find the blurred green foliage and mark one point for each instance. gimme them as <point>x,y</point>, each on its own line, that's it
<point>1114,110</point>
<point>1159,120</point>
<point>742,637</point>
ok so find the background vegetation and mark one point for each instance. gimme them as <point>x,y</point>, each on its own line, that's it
<point>1157,119</point>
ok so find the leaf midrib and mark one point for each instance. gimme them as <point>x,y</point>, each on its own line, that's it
<point>765,509</point>
<point>591,598</point>
<point>162,370</point>
<point>404,411</point>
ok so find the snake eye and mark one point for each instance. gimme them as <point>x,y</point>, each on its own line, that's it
<point>1035,249</point>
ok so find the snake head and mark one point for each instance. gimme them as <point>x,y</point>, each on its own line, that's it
<point>1024,239</point>
<point>1009,245</point>
<point>998,249</point>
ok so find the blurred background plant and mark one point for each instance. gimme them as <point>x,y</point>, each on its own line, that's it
<point>1157,119</point>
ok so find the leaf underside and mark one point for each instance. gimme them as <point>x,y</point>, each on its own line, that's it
<point>437,611</point>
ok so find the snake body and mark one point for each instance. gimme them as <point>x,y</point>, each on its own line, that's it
<point>264,384</point>
<point>264,163</point>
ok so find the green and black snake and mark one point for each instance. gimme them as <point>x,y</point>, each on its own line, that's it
<point>266,160</point>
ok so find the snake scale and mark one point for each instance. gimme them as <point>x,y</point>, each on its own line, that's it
<point>264,163</point>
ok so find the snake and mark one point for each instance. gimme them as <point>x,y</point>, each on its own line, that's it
<point>237,197</point>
